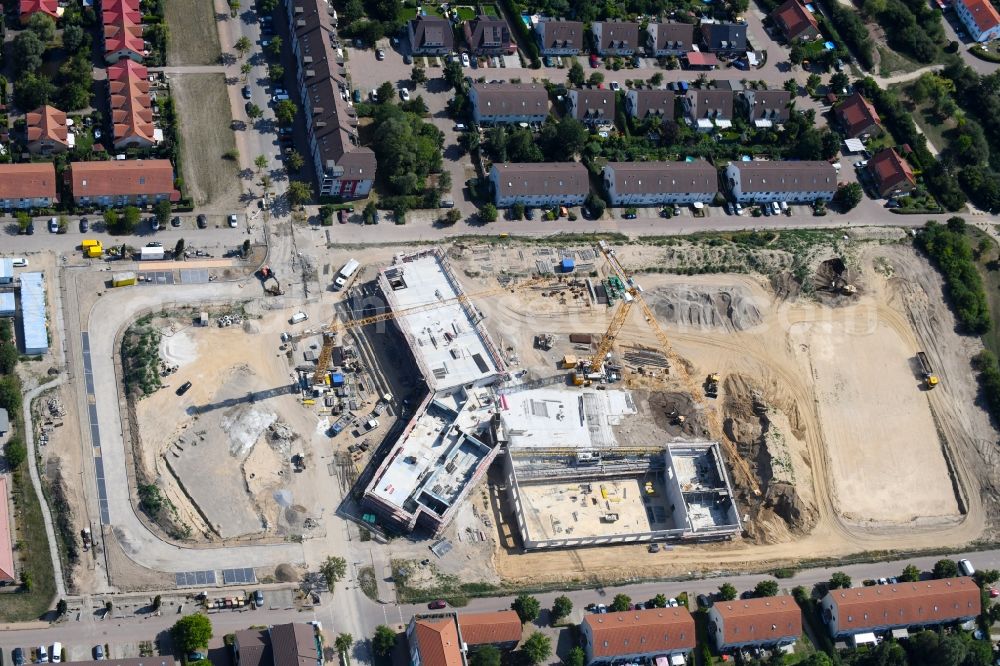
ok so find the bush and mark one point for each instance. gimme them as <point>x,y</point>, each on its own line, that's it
<point>985,363</point>
<point>951,253</point>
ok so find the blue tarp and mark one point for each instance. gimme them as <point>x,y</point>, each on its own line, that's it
<point>337,379</point>
<point>568,265</point>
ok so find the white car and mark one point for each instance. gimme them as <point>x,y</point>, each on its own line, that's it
<point>615,86</point>
<point>404,94</point>
<point>232,220</point>
<point>465,60</point>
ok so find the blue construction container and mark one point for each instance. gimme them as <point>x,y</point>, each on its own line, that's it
<point>337,379</point>
<point>568,265</point>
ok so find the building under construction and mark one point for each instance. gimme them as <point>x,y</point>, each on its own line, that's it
<point>577,474</point>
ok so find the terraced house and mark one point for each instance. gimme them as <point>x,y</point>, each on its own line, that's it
<point>760,622</point>
<point>131,107</point>
<point>24,186</point>
<point>431,35</point>
<point>488,36</point>
<point>638,636</point>
<point>615,38</point>
<point>658,183</point>
<point>505,103</point>
<point>592,106</point>
<point>559,37</point>
<point>793,182</point>
<point>46,131</point>
<point>539,184</point>
<point>115,183</point>
<point>766,108</point>
<point>122,30</point>
<point>706,110</point>
<point>343,166</point>
<point>641,103</point>
<point>669,39</point>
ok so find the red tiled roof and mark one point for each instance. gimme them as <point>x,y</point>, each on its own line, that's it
<point>794,18</point>
<point>29,7</point>
<point>643,631</point>
<point>490,628</point>
<point>702,59</point>
<point>983,13</point>
<point>857,113</point>
<point>122,177</point>
<point>762,619</point>
<point>890,170</point>
<point>6,547</point>
<point>905,604</point>
<point>122,26</point>
<point>47,122</point>
<point>131,112</point>
<point>27,181</point>
<point>437,641</point>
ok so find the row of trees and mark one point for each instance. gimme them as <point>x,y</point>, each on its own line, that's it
<point>853,31</point>
<point>950,251</point>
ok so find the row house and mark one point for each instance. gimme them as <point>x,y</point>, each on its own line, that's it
<point>47,132</point>
<point>25,186</point>
<point>447,639</point>
<point>559,38</point>
<point>540,184</point>
<point>766,108</point>
<point>122,21</point>
<point>114,183</point>
<point>344,168</point>
<point>505,103</point>
<point>293,644</point>
<point>669,39</point>
<point>488,36</point>
<point>659,183</point>
<point>431,35</point>
<point>639,636</point>
<point>592,106</point>
<point>793,182</point>
<point>131,107</point>
<point>615,38</point>
<point>707,110</point>
<point>642,103</point>
<point>723,37</point>
<point>763,622</point>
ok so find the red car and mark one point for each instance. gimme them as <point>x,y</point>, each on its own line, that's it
<point>594,60</point>
<point>437,604</point>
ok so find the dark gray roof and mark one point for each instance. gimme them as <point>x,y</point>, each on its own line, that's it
<point>534,178</point>
<point>511,99</point>
<point>664,177</point>
<point>308,15</point>
<point>253,647</point>
<point>594,103</point>
<point>561,34</point>
<point>724,36</point>
<point>786,176</point>
<point>488,32</point>
<point>652,101</point>
<point>618,34</point>
<point>673,35</point>
<point>295,645</point>
<point>710,103</point>
<point>433,29</point>
<point>768,104</point>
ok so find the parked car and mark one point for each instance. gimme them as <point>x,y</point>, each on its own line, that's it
<point>616,86</point>
<point>176,222</point>
<point>258,598</point>
<point>84,225</point>
<point>371,424</point>
<point>17,655</point>
<point>245,90</point>
<point>53,225</point>
<point>202,222</point>
<point>98,653</point>
<point>30,229</point>
<point>460,127</point>
<point>595,62</point>
<point>738,208</point>
<point>404,94</point>
<point>407,59</point>
<point>601,608</point>
<point>196,656</point>
<point>465,60</point>
<point>42,656</point>
<point>437,604</point>
<point>673,603</point>
<point>183,388</point>
<point>232,220</point>
<point>380,54</point>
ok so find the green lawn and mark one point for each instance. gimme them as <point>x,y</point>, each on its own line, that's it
<point>892,62</point>
<point>491,10</point>
<point>466,13</point>
<point>407,13</point>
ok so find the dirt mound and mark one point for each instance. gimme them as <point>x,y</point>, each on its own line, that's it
<point>730,308</point>
<point>834,279</point>
<point>286,573</point>
<point>675,413</point>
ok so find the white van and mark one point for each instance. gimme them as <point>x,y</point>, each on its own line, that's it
<point>346,272</point>
<point>43,655</point>
<point>56,652</point>
<point>19,262</point>
<point>298,318</point>
<point>965,568</point>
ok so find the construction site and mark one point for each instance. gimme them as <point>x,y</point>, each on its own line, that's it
<point>572,411</point>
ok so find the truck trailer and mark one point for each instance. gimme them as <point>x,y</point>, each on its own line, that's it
<point>126,279</point>
<point>926,371</point>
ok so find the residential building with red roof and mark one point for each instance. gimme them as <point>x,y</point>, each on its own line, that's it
<point>434,641</point>
<point>859,610</point>
<point>24,186</point>
<point>7,574</point>
<point>47,131</point>
<point>980,18</point>
<point>501,628</point>
<point>631,636</point>
<point>858,117</point>
<point>891,173</point>
<point>28,8</point>
<point>122,182</point>
<point>795,21</point>
<point>122,30</point>
<point>131,109</point>
<point>758,622</point>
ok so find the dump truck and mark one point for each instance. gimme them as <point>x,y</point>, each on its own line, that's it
<point>93,252</point>
<point>926,371</point>
<point>712,385</point>
<point>123,279</point>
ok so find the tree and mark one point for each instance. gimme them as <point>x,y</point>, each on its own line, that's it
<point>596,79</point>
<point>840,579</point>
<point>468,141</point>
<point>839,82</point>
<point>537,648</point>
<point>596,205</point>
<point>10,393</point>
<point>299,192</point>
<point>284,111</point>
<point>162,211</point>
<point>517,211</point>
<point>812,83</point>
<point>488,213</point>
<point>275,46</point>
<point>26,52</point>
<point>260,162</point>
<point>333,569</point>
<point>911,574</point>
<point>234,8</point>
<point>62,607</point>
<point>157,602</point>
<point>276,73</point>
<point>73,38</point>
<point>354,11</point>
<point>576,657</point>
<point>26,582</point>
<point>945,569</point>
<point>487,655</point>
<point>295,160</point>
<point>243,45</point>
<point>369,213</point>
<point>8,358</point>
<point>43,26</point>
<point>792,86</point>
<point>727,592</point>
<point>452,217</point>
<point>766,588</point>
<point>343,643</point>
<point>31,90</point>
<point>384,640</point>
<point>576,75</point>
<point>245,70</point>
<point>656,79</point>
<point>525,605</point>
<point>15,452</point>
<point>386,93</point>
<point>254,112</point>
<point>561,141</point>
<point>454,75</point>
<point>621,602</point>
<point>561,607</point>
<point>129,220</point>
<point>418,75</point>
<point>179,249</point>
<point>848,196</point>
<point>659,601</point>
<point>192,632</point>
